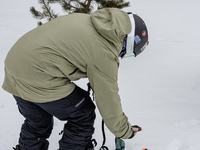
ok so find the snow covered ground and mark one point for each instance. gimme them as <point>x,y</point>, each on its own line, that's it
<point>160,89</point>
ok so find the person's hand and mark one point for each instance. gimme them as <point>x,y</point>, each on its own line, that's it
<point>136,129</point>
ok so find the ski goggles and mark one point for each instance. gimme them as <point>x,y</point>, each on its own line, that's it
<point>124,53</point>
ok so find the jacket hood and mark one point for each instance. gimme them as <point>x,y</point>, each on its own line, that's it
<point>113,24</point>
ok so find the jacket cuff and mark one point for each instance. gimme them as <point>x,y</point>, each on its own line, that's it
<point>133,134</point>
<point>129,132</point>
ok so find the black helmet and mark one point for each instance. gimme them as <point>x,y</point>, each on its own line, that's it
<point>137,40</point>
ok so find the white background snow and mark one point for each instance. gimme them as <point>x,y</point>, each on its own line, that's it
<point>160,89</point>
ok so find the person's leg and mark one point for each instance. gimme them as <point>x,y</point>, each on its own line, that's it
<point>79,129</point>
<point>78,110</point>
<point>37,126</point>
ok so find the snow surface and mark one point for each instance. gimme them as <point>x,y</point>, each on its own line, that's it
<point>160,89</point>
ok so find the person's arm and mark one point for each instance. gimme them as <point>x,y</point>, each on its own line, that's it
<point>103,78</point>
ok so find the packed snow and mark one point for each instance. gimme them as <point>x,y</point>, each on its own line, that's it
<point>160,89</point>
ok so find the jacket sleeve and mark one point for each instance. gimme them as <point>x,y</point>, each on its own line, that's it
<point>103,78</point>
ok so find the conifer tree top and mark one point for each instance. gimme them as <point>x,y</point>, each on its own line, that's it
<point>74,6</point>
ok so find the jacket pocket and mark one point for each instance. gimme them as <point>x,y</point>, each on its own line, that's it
<point>76,75</point>
<point>73,72</point>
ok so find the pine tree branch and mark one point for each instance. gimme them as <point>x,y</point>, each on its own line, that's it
<point>74,6</point>
<point>112,3</point>
<point>47,8</point>
<point>71,4</point>
<point>88,6</point>
<point>36,14</point>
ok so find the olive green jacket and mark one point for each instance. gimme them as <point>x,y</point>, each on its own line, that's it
<point>42,64</point>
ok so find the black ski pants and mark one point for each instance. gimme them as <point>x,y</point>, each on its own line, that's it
<point>77,109</point>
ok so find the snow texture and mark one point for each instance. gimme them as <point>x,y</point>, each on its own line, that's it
<point>160,89</point>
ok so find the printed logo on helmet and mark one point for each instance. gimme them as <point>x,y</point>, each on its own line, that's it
<point>145,45</point>
<point>143,33</point>
<point>137,39</point>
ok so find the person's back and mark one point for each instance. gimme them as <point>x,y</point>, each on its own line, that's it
<point>45,57</point>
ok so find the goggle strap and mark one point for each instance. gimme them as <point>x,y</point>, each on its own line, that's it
<point>130,37</point>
